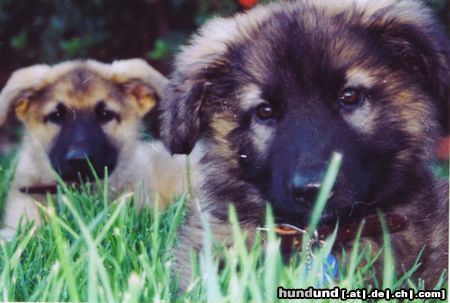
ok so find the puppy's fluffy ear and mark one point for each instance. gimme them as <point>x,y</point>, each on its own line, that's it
<point>144,95</point>
<point>180,113</point>
<point>141,81</point>
<point>183,107</point>
<point>20,88</point>
<point>421,48</point>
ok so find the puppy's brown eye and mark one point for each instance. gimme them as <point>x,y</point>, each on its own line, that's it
<point>264,111</point>
<point>351,97</point>
<point>57,116</point>
<point>104,115</point>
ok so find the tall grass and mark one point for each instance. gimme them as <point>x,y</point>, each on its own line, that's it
<point>92,249</point>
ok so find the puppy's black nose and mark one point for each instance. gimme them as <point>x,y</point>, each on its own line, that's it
<point>304,188</point>
<point>76,159</point>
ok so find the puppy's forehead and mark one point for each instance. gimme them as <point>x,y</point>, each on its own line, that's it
<point>307,61</point>
<point>311,38</point>
<point>81,88</point>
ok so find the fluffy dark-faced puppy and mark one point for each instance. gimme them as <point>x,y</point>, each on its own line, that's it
<point>80,111</point>
<point>265,97</point>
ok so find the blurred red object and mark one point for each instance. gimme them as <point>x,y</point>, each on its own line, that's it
<point>443,152</point>
<point>248,3</point>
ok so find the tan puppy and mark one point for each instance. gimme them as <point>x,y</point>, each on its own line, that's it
<point>80,110</point>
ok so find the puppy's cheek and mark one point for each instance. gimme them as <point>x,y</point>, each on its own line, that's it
<point>361,119</point>
<point>261,137</point>
<point>122,133</point>
<point>44,134</point>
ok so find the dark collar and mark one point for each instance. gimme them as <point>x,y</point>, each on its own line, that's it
<point>292,236</point>
<point>39,190</point>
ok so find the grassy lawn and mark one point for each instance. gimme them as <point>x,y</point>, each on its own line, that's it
<point>96,250</point>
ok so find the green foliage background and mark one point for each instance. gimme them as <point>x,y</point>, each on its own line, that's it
<point>51,31</point>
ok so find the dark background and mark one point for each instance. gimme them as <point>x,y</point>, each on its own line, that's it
<point>51,31</point>
<point>46,31</point>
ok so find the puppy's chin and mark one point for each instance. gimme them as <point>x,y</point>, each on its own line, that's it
<point>331,217</point>
<point>343,215</point>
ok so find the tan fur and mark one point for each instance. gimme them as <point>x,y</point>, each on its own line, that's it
<point>145,168</point>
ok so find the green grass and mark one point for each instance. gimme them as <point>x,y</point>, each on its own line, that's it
<point>92,249</point>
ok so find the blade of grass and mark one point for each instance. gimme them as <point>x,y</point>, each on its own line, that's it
<point>105,188</point>
<point>63,224</point>
<point>209,268</point>
<point>155,237</point>
<point>325,190</point>
<point>354,259</point>
<point>13,260</point>
<point>410,271</point>
<point>43,290</point>
<point>120,202</point>
<point>176,221</point>
<point>63,252</point>
<point>388,257</point>
<point>272,260</point>
<point>92,251</point>
<point>246,260</point>
<point>134,289</point>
